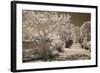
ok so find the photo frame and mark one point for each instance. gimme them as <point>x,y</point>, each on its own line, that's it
<point>49,36</point>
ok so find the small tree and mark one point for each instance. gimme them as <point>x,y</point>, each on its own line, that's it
<point>85,34</point>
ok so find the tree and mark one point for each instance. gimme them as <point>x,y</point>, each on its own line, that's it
<point>85,35</point>
<point>77,34</point>
<point>43,25</point>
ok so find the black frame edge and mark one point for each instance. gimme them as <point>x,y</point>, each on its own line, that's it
<point>54,4</point>
<point>96,36</point>
<point>57,68</point>
<point>13,36</point>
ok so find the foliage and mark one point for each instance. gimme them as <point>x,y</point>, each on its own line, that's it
<point>85,35</point>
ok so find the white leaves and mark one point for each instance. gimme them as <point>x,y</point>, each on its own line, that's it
<point>44,21</point>
<point>85,29</point>
<point>47,23</point>
<point>85,35</point>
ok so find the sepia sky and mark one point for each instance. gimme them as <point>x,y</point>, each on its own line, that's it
<point>79,18</point>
